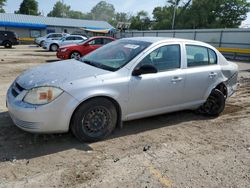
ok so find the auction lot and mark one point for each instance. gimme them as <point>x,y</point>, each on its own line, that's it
<point>180,149</point>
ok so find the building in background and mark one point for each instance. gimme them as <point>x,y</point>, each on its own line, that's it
<point>27,26</point>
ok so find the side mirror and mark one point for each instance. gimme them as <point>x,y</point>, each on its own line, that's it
<point>86,44</point>
<point>144,69</point>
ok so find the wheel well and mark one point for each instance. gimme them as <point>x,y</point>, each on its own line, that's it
<point>222,87</point>
<point>54,44</point>
<point>116,104</point>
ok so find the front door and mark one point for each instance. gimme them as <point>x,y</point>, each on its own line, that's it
<point>150,94</point>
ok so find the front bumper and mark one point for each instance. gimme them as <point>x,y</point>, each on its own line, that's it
<point>62,55</point>
<point>50,118</point>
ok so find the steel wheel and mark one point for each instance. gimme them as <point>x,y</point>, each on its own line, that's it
<point>94,119</point>
<point>214,105</point>
<point>75,55</point>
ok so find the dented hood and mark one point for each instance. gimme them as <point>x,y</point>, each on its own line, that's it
<point>57,74</point>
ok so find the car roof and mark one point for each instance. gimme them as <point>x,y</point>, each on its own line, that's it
<point>97,37</point>
<point>74,36</point>
<point>163,39</point>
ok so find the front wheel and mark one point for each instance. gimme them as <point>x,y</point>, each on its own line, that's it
<point>214,105</point>
<point>53,47</point>
<point>8,44</point>
<point>75,55</point>
<point>94,120</point>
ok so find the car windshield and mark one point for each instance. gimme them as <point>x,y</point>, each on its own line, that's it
<point>115,55</point>
<point>82,42</point>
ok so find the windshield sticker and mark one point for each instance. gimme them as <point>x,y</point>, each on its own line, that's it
<point>131,46</point>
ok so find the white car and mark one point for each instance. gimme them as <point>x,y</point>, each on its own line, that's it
<point>52,36</point>
<point>124,80</point>
<point>53,45</point>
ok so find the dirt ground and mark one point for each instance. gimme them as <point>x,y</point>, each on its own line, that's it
<point>174,150</point>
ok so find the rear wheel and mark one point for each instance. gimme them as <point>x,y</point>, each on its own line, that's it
<point>7,44</point>
<point>54,47</point>
<point>75,55</point>
<point>94,120</point>
<point>214,105</point>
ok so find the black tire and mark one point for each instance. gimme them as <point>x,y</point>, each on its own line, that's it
<point>8,44</point>
<point>53,47</point>
<point>94,120</point>
<point>75,55</point>
<point>214,105</point>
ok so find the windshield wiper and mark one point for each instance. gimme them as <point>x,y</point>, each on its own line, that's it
<point>98,65</point>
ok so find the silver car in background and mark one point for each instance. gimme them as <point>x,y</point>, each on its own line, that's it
<point>52,36</point>
<point>53,45</point>
<point>127,79</point>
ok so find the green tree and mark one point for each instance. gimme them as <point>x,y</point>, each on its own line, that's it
<point>29,7</point>
<point>141,21</point>
<point>162,17</point>
<point>197,14</point>
<point>103,11</point>
<point>59,10</point>
<point>63,10</point>
<point>1,6</point>
<point>120,17</point>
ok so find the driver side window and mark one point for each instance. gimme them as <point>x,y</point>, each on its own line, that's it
<point>96,42</point>
<point>164,58</point>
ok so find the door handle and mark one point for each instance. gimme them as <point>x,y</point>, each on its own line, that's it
<point>212,74</point>
<point>176,79</point>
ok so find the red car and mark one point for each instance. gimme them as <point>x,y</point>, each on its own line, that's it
<point>78,50</point>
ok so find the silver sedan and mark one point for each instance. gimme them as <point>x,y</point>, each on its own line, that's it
<point>127,79</point>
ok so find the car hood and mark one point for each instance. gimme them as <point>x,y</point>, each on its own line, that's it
<point>69,45</point>
<point>57,74</point>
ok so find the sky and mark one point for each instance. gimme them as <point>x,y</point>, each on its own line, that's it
<point>128,6</point>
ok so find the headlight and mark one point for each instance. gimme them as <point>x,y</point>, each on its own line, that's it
<point>42,95</point>
<point>63,49</point>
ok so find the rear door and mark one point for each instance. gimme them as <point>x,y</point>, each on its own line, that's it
<point>201,73</point>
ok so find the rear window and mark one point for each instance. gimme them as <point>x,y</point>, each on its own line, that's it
<point>200,56</point>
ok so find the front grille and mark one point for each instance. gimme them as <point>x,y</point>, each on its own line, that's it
<point>16,89</point>
<point>19,87</point>
<point>14,93</point>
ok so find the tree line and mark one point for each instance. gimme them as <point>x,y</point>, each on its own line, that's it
<point>177,14</point>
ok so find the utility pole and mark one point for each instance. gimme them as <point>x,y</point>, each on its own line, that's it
<point>173,21</point>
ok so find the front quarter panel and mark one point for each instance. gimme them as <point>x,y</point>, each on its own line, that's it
<point>113,85</point>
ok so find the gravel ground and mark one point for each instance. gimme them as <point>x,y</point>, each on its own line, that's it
<point>173,150</point>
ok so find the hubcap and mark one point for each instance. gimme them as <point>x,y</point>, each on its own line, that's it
<point>95,121</point>
<point>54,47</point>
<point>75,55</point>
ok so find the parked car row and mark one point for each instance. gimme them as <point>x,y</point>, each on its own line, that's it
<point>71,46</point>
<point>52,36</point>
<point>53,45</point>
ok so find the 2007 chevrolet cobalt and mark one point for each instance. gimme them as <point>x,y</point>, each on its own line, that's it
<point>124,80</point>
